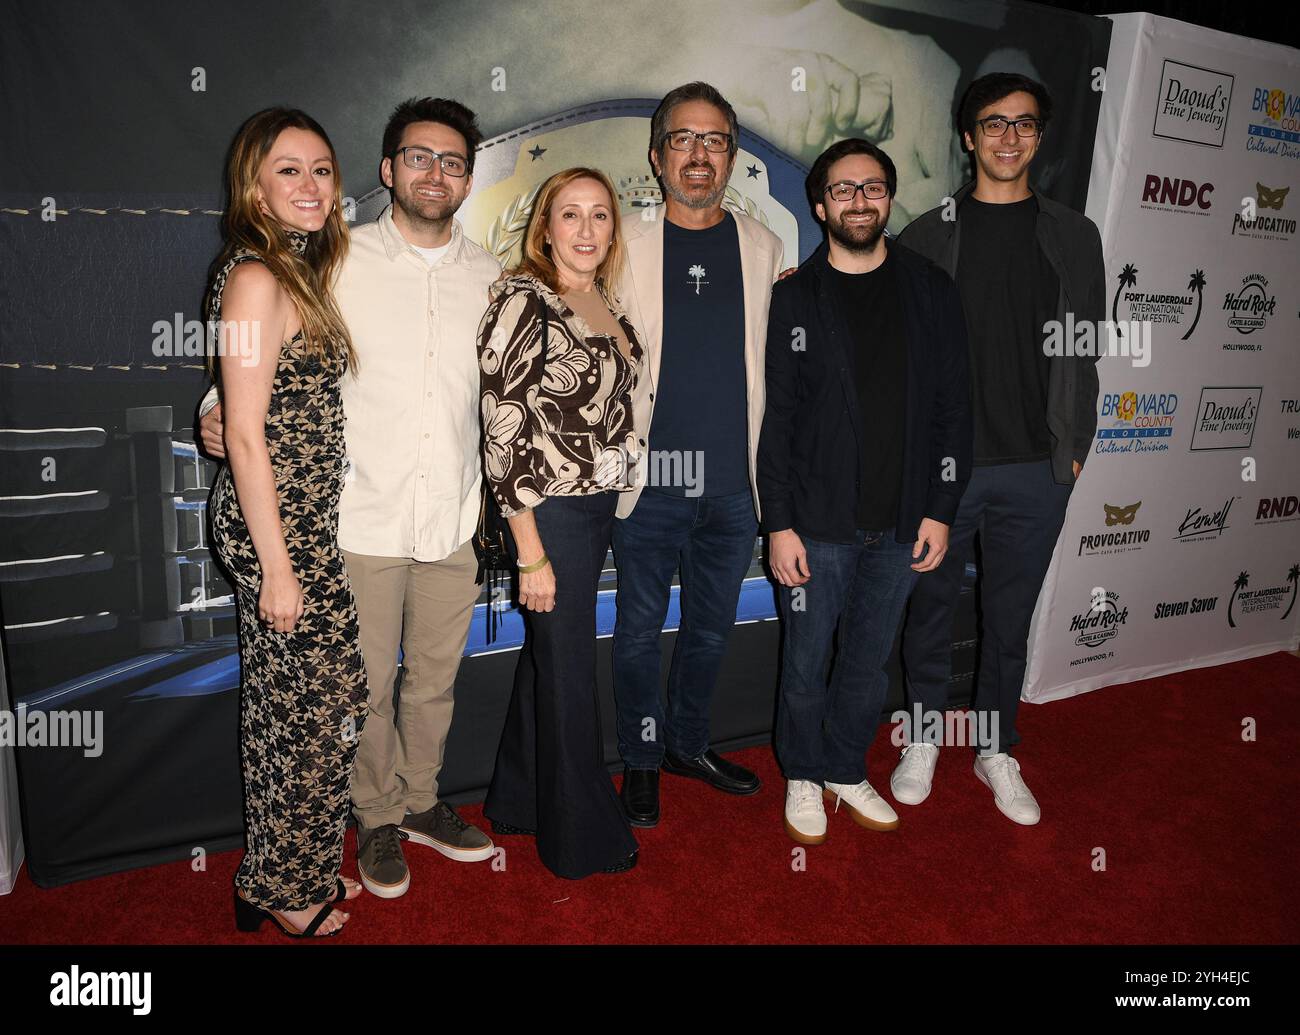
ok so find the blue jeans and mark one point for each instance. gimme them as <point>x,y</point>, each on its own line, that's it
<point>712,539</point>
<point>824,728</point>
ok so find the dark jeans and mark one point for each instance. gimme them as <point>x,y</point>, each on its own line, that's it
<point>824,729</point>
<point>712,538</point>
<point>1018,510</point>
<point>550,771</point>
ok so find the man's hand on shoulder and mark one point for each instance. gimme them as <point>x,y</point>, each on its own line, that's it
<point>211,431</point>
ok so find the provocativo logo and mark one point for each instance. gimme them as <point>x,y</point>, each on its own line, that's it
<point>1160,192</point>
<point>1225,417</point>
<point>1192,104</point>
<point>1256,222</point>
<point>1254,602</point>
<point>1118,536</point>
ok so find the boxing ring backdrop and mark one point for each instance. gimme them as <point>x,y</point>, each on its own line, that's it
<point>113,609</point>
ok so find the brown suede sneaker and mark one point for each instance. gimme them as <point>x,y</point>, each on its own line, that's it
<point>441,829</point>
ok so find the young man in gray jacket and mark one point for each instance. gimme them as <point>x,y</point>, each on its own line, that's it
<point>1021,261</point>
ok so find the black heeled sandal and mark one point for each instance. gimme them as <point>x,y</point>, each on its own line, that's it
<point>249,918</point>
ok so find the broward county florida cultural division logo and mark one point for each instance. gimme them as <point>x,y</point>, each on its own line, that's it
<point>1274,126</point>
<point>1163,306</point>
<point>1137,422</point>
<point>1192,104</point>
<point>1250,602</point>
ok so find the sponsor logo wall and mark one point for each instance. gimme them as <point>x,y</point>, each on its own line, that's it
<point>1181,547</point>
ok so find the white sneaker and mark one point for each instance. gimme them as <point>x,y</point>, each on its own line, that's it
<point>1001,774</point>
<point>805,819</point>
<point>914,773</point>
<point>867,808</point>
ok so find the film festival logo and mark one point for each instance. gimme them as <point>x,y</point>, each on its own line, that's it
<point>1204,524</point>
<point>1277,510</point>
<point>1274,127</point>
<point>1162,194</point>
<point>1192,104</point>
<point>1225,418</point>
<point>1098,625</point>
<point>1139,422</point>
<point>1256,222</point>
<point>1119,536</point>
<point>1158,307</point>
<point>1249,602</point>
<point>1248,311</point>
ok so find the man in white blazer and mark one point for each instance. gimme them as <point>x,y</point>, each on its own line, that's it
<point>697,285</point>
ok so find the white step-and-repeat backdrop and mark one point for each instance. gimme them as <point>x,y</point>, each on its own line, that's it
<point>1182,544</point>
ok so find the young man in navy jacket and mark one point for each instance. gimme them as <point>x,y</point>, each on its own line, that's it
<point>862,461</point>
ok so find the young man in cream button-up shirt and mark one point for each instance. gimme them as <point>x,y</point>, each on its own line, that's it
<point>412,291</point>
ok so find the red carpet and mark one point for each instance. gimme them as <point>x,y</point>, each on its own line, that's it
<point>1198,827</point>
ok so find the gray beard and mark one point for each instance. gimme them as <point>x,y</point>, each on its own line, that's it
<point>710,200</point>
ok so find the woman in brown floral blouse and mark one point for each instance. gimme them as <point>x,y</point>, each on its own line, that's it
<point>558,445</point>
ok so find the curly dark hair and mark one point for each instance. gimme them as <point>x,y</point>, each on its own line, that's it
<point>433,109</point>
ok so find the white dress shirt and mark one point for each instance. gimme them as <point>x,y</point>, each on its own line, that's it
<point>412,404</point>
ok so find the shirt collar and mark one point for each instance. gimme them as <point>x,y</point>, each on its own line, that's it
<point>395,243</point>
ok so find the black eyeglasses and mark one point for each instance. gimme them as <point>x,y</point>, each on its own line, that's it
<point>422,159</point>
<point>845,190</point>
<point>684,140</point>
<point>996,126</point>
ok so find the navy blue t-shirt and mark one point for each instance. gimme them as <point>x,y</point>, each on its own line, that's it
<point>700,412</point>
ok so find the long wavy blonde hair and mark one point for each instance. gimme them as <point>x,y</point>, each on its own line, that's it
<point>307,278</point>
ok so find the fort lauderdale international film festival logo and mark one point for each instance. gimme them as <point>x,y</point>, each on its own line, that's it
<point>1163,305</point>
<point>1274,127</point>
<point>1263,220</point>
<point>1192,104</point>
<point>1136,422</point>
<point>1225,417</point>
<point>1250,602</point>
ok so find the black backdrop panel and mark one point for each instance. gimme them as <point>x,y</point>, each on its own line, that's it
<point>118,116</point>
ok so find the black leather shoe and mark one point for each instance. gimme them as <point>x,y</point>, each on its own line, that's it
<point>714,770</point>
<point>640,796</point>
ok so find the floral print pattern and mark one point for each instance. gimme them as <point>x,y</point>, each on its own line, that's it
<point>303,694</point>
<point>562,426</point>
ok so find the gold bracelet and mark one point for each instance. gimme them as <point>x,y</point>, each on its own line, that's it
<point>537,565</point>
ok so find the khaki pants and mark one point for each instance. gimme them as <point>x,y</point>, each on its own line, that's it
<point>423,607</point>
